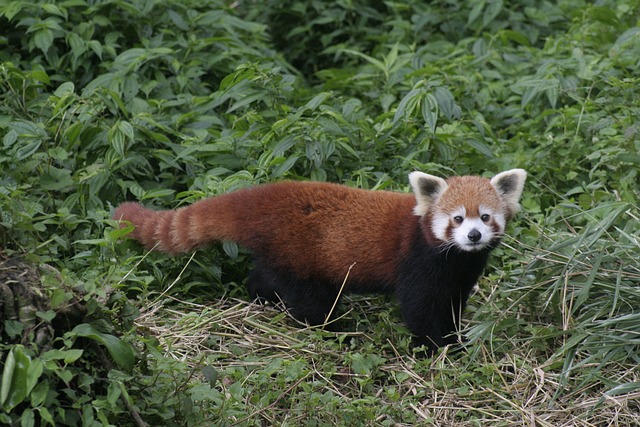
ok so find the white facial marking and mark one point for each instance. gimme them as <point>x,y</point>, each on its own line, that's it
<point>468,233</point>
<point>439,225</point>
<point>495,218</point>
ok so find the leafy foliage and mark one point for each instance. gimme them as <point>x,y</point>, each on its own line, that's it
<point>170,102</point>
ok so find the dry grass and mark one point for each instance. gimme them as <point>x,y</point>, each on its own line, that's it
<point>479,388</point>
<point>555,344</point>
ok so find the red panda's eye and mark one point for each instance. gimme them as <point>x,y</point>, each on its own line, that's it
<point>458,219</point>
<point>485,217</point>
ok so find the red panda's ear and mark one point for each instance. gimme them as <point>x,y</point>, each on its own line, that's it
<point>509,185</point>
<point>427,188</point>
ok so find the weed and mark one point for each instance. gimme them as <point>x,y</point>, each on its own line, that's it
<point>170,102</point>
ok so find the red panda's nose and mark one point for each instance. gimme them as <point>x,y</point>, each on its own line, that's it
<point>474,235</point>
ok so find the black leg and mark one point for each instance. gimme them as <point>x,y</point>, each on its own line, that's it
<point>311,302</point>
<point>263,287</point>
<point>306,300</point>
<point>432,319</point>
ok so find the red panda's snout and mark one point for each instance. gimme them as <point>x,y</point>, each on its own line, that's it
<point>472,233</point>
<point>469,232</point>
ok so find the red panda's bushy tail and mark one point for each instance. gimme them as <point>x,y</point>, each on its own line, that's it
<point>180,230</point>
<point>154,229</point>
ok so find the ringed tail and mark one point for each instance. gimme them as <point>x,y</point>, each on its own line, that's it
<point>180,230</point>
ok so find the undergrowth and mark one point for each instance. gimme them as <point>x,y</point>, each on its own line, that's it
<point>170,102</point>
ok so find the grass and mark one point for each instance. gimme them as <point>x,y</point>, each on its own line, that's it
<point>171,102</point>
<point>484,387</point>
<point>548,373</point>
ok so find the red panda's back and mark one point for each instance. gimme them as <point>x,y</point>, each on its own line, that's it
<point>321,229</point>
<point>313,230</point>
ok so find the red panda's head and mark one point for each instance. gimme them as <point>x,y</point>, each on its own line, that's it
<point>468,212</point>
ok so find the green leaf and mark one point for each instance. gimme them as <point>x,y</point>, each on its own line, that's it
<point>314,152</point>
<point>96,242</point>
<point>39,393</point>
<point>364,364</point>
<point>605,15</point>
<point>7,376</point>
<point>430,111</point>
<point>625,388</point>
<point>178,21</point>
<point>157,193</point>
<point>47,316</point>
<point>43,39</point>
<point>377,63</point>
<point>481,147</point>
<point>18,377</point>
<point>13,328</point>
<point>27,150</point>
<point>40,76</point>
<point>475,11</point>
<point>55,179</point>
<point>529,94</point>
<point>121,352</point>
<point>77,44</point>
<point>10,138</point>
<point>552,93</point>
<point>446,103</point>
<point>118,233</point>
<point>210,374</point>
<point>46,415</point>
<point>69,356</point>
<point>408,103</point>
<point>66,88</point>
<point>54,10</point>
<point>28,418</point>
<point>96,47</point>
<point>317,100</point>
<point>126,128</point>
<point>231,249</point>
<point>117,138</point>
<point>491,12</point>
<point>113,393</point>
<point>516,37</point>
<point>11,9</point>
<point>245,101</point>
<point>284,167</point>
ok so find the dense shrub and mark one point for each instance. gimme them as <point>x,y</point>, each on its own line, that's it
<point>168,102</point>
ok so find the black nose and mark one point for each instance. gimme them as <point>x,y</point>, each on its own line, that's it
<point>474,235</point>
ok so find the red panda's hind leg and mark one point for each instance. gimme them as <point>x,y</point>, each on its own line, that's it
<point>308,301</point>
<point>263,288</point>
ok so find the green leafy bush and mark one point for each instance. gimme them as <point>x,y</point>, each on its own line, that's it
<point>170,102</point>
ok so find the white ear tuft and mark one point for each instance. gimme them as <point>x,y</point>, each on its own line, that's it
<point>427,188</point>
<point>509,185</point>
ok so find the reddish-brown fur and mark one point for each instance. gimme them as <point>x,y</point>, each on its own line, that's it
<point>470,192</point>
<point>316,229</point>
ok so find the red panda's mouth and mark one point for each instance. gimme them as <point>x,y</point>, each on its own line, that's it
<point>474,246</point>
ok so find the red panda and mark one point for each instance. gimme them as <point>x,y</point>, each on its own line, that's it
<point>429,247</point>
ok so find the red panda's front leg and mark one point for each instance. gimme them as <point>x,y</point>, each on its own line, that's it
<point>433,288</point>
<point>433,319</point>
